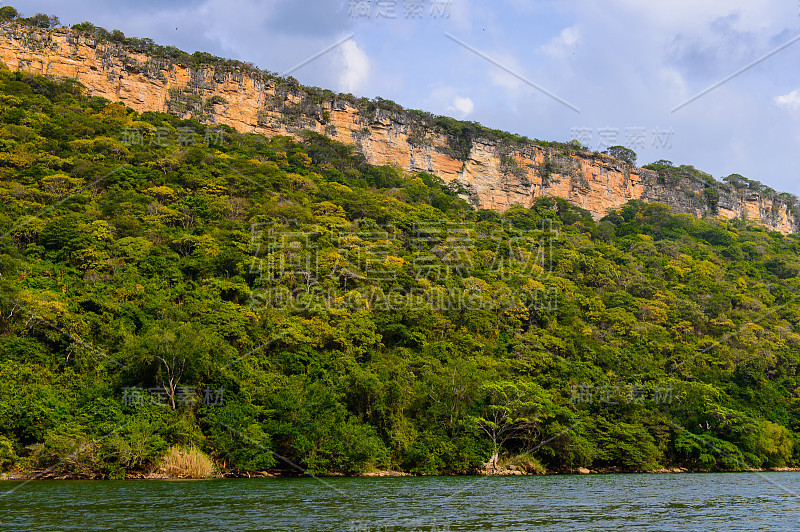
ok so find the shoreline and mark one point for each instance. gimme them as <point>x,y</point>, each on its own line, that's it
<point>29,476</point>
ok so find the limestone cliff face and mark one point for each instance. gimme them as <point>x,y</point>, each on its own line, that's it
<point>494,173</point>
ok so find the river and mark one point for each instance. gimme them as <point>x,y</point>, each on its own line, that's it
<point>714,501</point>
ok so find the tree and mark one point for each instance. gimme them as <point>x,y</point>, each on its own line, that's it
<point>623,154</point>
<point>40,20</point>
<point>172,355</point>
<point>8,13</point>
<point>711,196</point>
<point>512,410</point>
<point>377,348</point>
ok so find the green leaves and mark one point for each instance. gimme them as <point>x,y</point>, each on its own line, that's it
<point>626,444</point>
<point>513,410</point>
<point>360,317</point>
<point>171,355</point>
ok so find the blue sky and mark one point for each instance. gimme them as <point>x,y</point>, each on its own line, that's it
<point>625,65</point>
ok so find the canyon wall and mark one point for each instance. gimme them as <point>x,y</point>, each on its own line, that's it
<point>492,170</point>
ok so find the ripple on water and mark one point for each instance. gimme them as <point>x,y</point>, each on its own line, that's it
<point>732,501</point>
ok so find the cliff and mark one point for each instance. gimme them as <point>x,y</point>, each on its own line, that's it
<point>493,169</point>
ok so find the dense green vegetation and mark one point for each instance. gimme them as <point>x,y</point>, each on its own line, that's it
<point>460,134</point>
<point>698,180</point>
<point>672,174</point>
<point>267,300</point>
<point>39,20</point>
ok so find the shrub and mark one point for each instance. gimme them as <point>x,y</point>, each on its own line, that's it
<point>187,463</point>
<point>41,20</point>
<point>137,445</point>
<point>527,463</point>
<point>8,456</point>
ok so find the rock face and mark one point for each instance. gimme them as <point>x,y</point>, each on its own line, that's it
<point>491,171</point>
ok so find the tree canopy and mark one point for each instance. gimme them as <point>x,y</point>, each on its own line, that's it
<point>167,282</point>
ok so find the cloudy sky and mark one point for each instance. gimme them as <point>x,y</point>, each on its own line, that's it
<point>604,72</point>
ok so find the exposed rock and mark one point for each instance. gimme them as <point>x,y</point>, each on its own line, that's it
<point>584,471</point>
<point>491,174</point>
<point>386,474</point>
<point>493,468</point>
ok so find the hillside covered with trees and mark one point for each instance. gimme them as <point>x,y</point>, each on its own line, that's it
<point>169,283</point>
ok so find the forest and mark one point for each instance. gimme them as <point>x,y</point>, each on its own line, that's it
<point>280,305</point>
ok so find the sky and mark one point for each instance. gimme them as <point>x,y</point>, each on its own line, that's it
<point>710,83</point>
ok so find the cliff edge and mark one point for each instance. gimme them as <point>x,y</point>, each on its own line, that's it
<point>491,169</point>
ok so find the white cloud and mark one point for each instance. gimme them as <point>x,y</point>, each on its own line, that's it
<point>502,77</point>
<point>671,82</point>
<point>564,44</point>
<point>447,100</point>
<point>633,62</point>
<point>462,106</point>
<point>356,67</point>
<point>690,16</point>
<point>789,101</point>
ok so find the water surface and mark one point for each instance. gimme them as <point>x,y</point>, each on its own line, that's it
<point>722,501</point>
